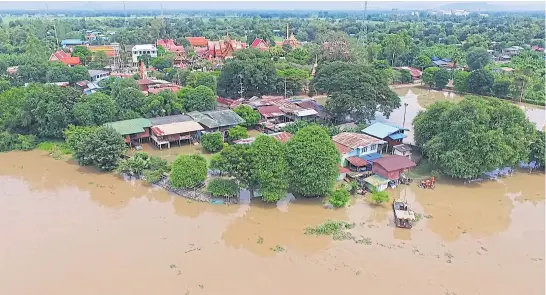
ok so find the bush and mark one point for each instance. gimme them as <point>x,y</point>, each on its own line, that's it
<point>237,132</point>
<point>380,197</point>
<point>212,142</point>
<point>100,146</point>
<point>188,171</point>
<point>10,141</point>
<point>353,187</point>
<point>142,164</point>
<point>221,187</point>
<point>339,198</point>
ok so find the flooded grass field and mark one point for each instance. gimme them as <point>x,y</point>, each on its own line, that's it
<point>68,229</point>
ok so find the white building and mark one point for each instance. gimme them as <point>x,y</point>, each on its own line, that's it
<point>139,50</point>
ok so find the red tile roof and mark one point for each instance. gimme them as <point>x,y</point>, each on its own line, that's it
<point>169,45</point>
<point>108,49</point>
<point>270,111</point>
<point>257,42</point>
<point>144,82</point>
<point>354,140</point>
<point>198,41</point>
<point>357,161</point>
<point>394,162</point>
<point>65,58</point>
<point>172,88</point>
<point>282,136</point>
<point>342,149</point>
<point>342,169</point>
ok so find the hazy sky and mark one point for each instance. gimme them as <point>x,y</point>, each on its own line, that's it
<point>270,5</point>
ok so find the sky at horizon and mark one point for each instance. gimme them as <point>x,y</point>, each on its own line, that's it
<point>269,5</point>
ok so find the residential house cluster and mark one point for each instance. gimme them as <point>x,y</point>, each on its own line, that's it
<point>162,131</point>
<point>277,112</point>
<point>376,156</point>
<point>415,73</point>
<point>65,57</point>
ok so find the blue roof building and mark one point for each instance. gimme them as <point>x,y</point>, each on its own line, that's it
<point>72,42</point>
<point>386,131</point>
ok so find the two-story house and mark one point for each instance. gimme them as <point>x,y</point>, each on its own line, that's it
<point>144,49</point>
<point>358,150</point>
<point>388,132</point>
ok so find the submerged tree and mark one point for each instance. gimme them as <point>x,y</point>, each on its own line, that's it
<point>269,167</point>
<point>313,162</point>
<point>474,136</point>
<point>188,171</point>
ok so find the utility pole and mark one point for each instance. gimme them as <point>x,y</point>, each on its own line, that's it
<point>284,88</point>
<point>404,122</point>
<point>241,91</point>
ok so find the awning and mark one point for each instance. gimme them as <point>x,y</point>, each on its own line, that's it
<point>372,156</point>
<point>397,136</point>
<point>358,162</point>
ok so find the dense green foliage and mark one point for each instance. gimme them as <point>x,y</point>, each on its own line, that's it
<point>474,136</point>
<point>10,141</point>
<point>258,77</point>
<point>236,161</point>
<point>313,162</point>
<point>339,198</point>
<point>478,58</point>
<point>380,197</point>
<point>201,98</point>
<point>269,167</point>
<point>142,164</point>
<point>95,109</point>
<point>221,187</point>
<point>250,115</point>
<point>353,90</point>
<point>100,146</point>
<point>237,132</point>
<point>188,171</point>
<point>212,142</point>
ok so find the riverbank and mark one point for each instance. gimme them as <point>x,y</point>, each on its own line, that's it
<point>79,216</point>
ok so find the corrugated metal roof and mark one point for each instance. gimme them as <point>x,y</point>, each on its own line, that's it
<point>132,126</point>
<point>358,162</point>
<point>270,111</point>
<point>372,157</point>
<point>176,128</point>
<point>394,162</point>
<point>355,140</point>
<point>214,119</point>
<point>397,136</point>
<point>342,149</point>
<point>381,129</point>
<point>170,119</point>
<point>376,180</point>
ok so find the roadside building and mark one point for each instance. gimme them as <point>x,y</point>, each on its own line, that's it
<point>391,167</point>
<point>65,58</point>
<point>133,131</point>
<point>390,133</point>
<point>403,150</point>
<point>260,44</point>
<point>357,150</point>
<point>143,49</point>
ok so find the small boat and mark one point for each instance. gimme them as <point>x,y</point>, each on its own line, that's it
<point>403,215</point>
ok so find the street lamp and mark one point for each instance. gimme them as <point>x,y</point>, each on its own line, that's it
<point>404,122</point>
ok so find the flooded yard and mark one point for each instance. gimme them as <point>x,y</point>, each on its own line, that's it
<point>68,229</point>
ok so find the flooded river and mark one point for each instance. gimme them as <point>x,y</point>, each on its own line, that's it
<point>68,229</point>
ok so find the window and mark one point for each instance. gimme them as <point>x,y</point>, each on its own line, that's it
<point>364,149</point>
<point>373,147</point>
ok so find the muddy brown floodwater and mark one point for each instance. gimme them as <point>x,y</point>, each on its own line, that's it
<point>71,230</point>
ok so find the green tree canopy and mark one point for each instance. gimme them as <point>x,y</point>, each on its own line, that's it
<point>429,76</point>
<point>480,82</point>
<point>474,136</point>
<point>212,142</point>
<point>269,167</point>
<point>460,81</point>
<point>478,58</point>
<point>237,132</point>
<point>250,115</point>
<point>221,187</point>
<point>441,78</point>
<point>353,90</point>
<point>100,146</point>
<point>313,162</point>
<point>258,77</point>
<point>199,99</point>
<point>188,171</point>
<point>95,109</point>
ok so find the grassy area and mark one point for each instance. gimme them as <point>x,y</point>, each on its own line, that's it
<point>51,146</point>
<point>336,229</point>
